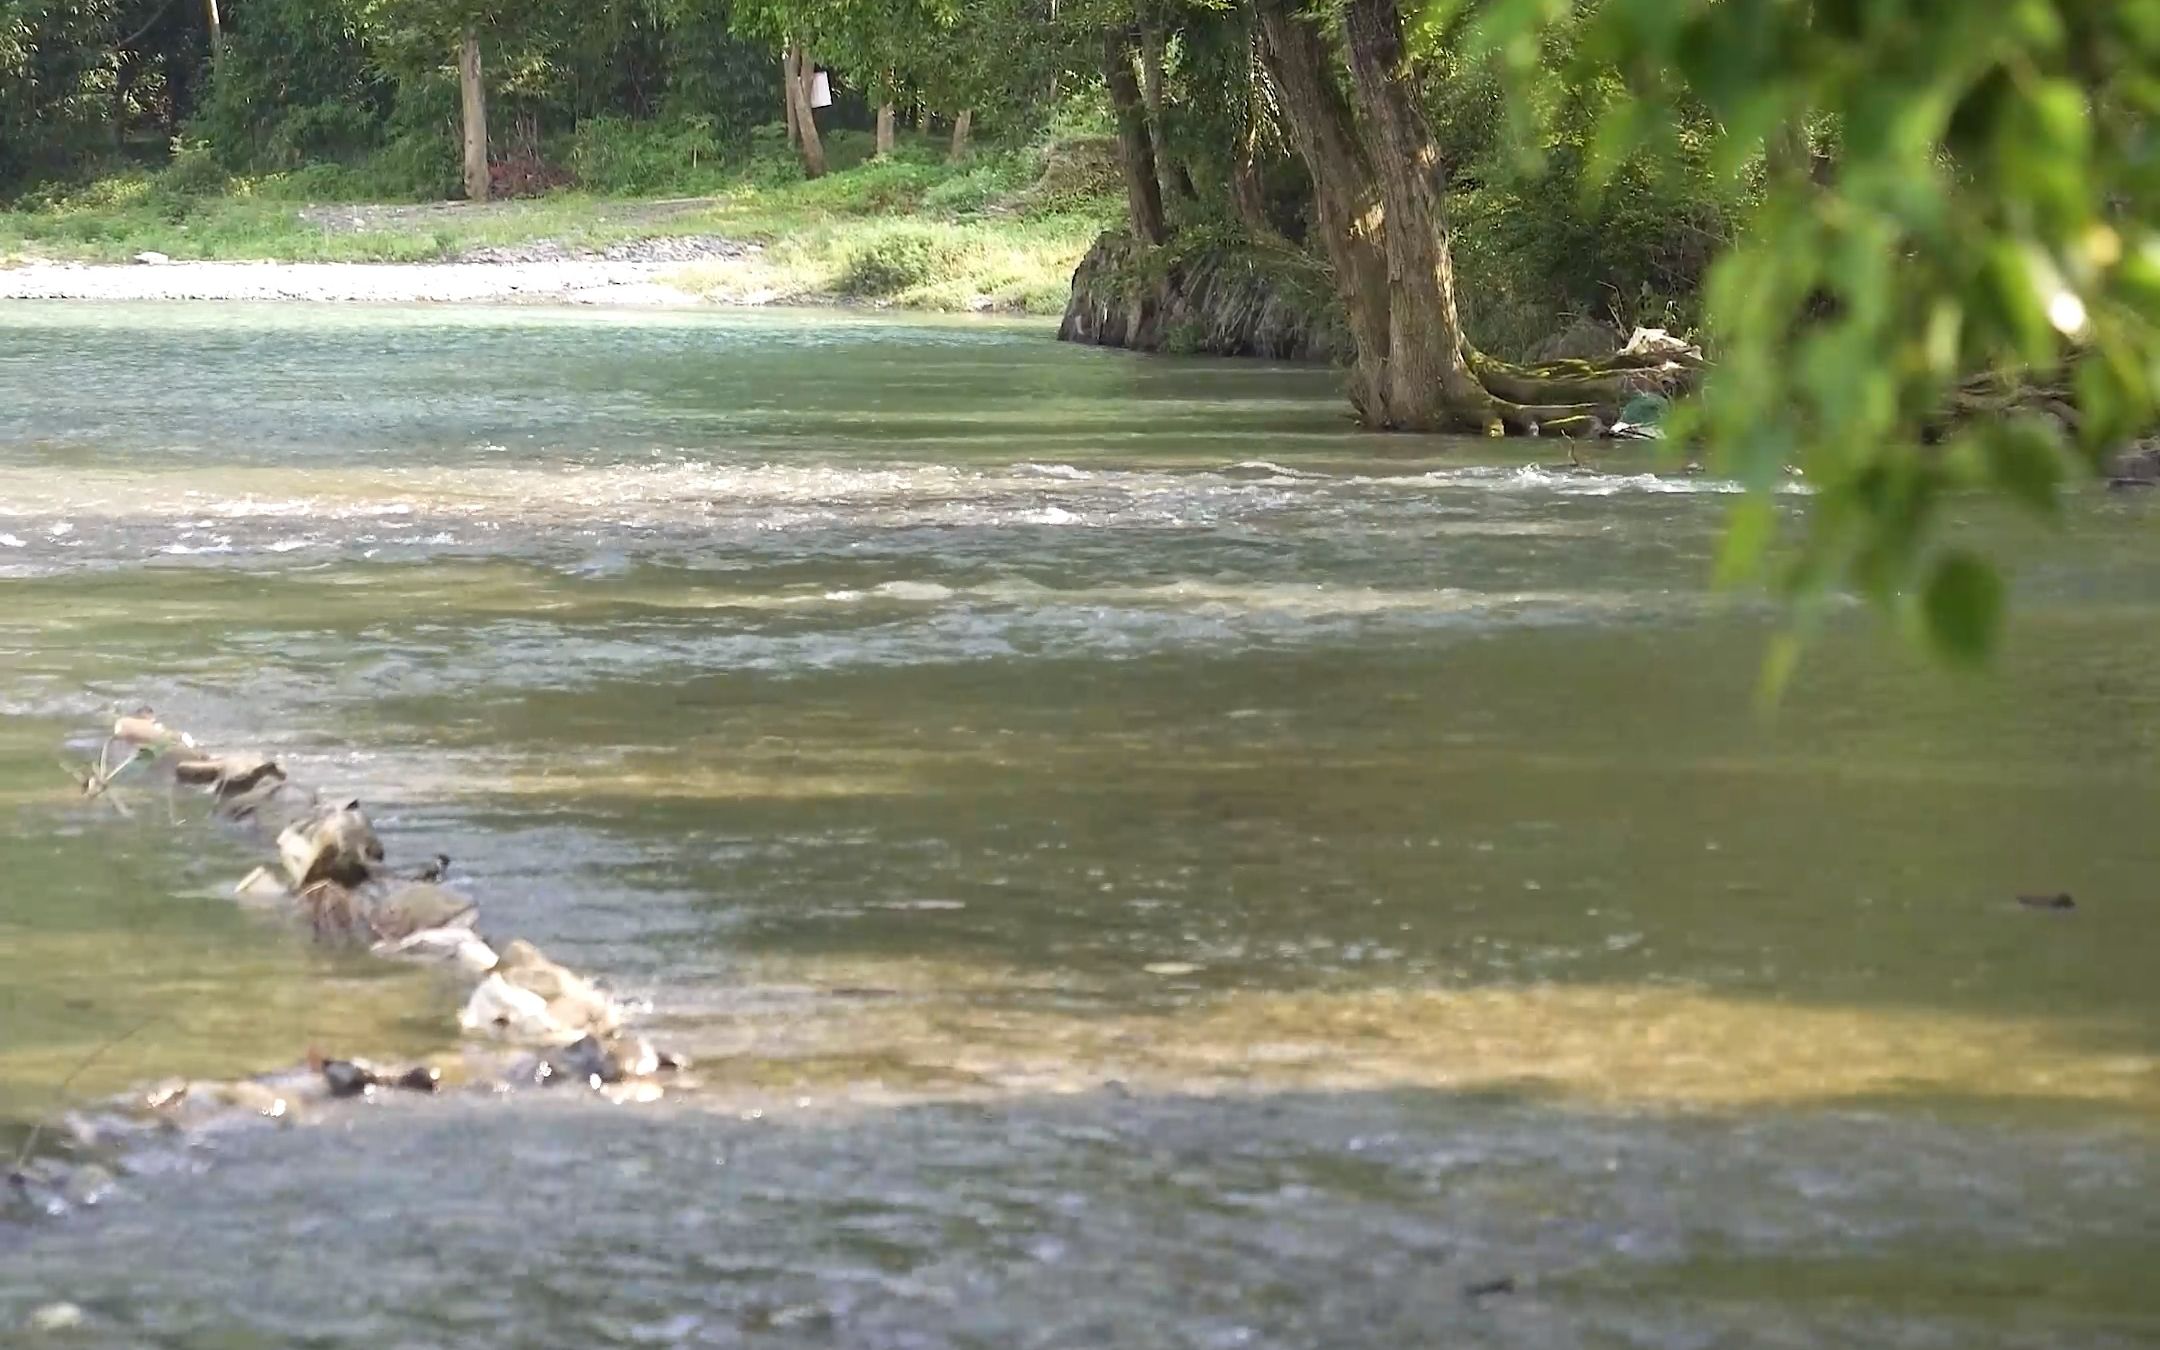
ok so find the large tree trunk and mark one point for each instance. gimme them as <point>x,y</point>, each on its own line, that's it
<point>217,29</point>
<point>885,130</point>
<point>962,127</point>
<point>1136,152</point>
<point>813,148</point>
<point>1381,212</point>
<point>1344,202</point>
<point>1429,383</point>
<point>475,118</point>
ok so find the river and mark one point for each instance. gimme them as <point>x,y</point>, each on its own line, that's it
<point>1137,863</point>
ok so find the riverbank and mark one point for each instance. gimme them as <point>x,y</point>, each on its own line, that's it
<point>576,281</point>
<point>1000,234</point>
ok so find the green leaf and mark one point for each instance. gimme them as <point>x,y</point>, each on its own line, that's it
<point>1778,666</point>
<point>2018,304</point>
<point>2025,460</point>
<point>1620,133</point>
<point>1962,606</point>
<point>1748,529</point>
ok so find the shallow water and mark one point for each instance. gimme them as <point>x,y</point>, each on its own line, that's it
<point>1138,864</point>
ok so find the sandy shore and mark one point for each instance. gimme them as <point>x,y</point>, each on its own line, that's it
<point>588,281</point>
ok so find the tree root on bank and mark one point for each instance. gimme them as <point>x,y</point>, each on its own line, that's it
<point>1574,399</point>
<point>1581,399</point>
<point>556,1025</point>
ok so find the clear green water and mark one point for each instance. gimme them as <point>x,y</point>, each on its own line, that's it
<point>882,701</point>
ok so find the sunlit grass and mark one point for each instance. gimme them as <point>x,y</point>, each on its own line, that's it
<point>999,243</point>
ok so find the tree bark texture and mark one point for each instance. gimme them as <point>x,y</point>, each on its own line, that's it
<point>884,130</point>
<point>1136,151</point>
<point>1344,202</point>
<point>787,97</point>
<point>1169,185</point>
<point>962,127</point>
<point>474,118</point>
<point>813,147</point>
<point>1380,207</point>
<point>217,28</point>
<point>1429,384</point>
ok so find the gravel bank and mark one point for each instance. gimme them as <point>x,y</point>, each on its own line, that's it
<point>507,279</point>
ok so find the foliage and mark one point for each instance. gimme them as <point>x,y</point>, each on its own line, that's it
<point>615,155</point>
<point>898,258</point>
<point>1959,193</point>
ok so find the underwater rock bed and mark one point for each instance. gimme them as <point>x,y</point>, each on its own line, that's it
<point>523,1020</point>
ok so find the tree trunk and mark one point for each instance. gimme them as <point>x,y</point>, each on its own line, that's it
<point>1429,383</point>
<point>1136,152</point>
<point>787,97</point>
<point>475,118</point>
<point>1248,197</point>
<point>1168,184</point>
<point>813,148</point>
<point>1344,200</point>
<point>217,29</point>
<point>963,126</point>
<point>885,130</point>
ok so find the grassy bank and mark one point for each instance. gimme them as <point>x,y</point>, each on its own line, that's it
<point>1002,230</point>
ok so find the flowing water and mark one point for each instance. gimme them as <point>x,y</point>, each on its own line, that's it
<point>1137,864</point>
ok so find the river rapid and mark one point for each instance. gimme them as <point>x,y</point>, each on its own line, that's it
<point>1137,863</point>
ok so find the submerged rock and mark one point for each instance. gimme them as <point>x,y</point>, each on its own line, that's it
<point>2136,467</point>
<point>455,946</point>
<point>501,1008</point>
<point>53,1317</point>
<point>2058,900</point>
<point>336,844</point>
<point>572,1001</point>
<point>404,909</point>
<point>357,1077</point>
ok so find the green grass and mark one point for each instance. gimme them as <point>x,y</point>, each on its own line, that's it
<point>1003,230</point>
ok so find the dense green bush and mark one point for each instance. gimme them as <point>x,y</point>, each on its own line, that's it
<point>616,155</point>
<point>988,180</point>
<point>898,257</point>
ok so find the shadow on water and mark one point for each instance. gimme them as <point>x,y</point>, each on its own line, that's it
<point>1279,1220</point>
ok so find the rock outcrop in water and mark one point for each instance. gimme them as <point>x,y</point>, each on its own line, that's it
<point>1209,299</point>
<point>555,1025</point>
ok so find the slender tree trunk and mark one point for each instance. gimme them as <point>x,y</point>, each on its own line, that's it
<point>813,148</point>
<point>1246,192</point>
<point>885,129</point>
<point>1168,182</point>
<point>1136,153</point>
<point>217,30</point>
<point>787,97</point>
<point>1344,200</point>
<point>475,118</point>
<point>963,127</point>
